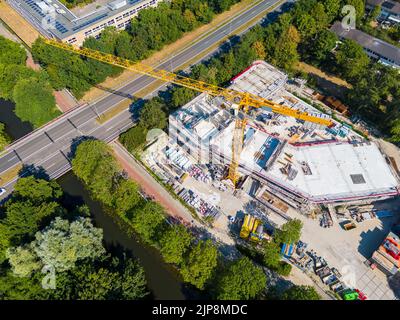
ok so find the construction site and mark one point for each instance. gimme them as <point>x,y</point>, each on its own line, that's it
<point>330,178</point>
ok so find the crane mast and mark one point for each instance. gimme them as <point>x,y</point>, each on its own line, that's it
<point>244,100</point>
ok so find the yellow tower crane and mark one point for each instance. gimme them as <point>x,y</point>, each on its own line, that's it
<point>241,101</point>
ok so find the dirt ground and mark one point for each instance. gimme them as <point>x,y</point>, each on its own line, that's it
<point>167,51</point>
<point>18,24</point>
<point>313,70</point>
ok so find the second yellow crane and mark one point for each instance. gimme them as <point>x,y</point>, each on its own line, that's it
<point>243,101</point>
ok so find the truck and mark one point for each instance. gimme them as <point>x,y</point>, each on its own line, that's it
<point>247,226</point>
<point>253,229</point>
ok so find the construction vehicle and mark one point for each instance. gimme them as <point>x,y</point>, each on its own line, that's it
<point>240,102</point>
<point>247,226</point>
<point>252,229</point>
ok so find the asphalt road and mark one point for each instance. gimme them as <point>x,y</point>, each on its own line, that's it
<point>49,147</point>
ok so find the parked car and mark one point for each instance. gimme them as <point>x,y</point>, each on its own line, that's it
<point>2,191</point>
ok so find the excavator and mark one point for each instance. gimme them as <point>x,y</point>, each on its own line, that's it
<point>241,102</point>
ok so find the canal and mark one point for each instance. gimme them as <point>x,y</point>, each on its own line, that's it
<point>163,281</point>
<point>15,128</point>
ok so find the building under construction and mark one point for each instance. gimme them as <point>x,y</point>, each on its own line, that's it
<point>297,161</point>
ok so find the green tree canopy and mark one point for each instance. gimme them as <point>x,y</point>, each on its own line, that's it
<point>134,138</point>
<point>301,293</point>
<point>332,8</point>
<point>34,102</point>
<point>286,48</point>
<point>272,255</point>
<point>10,75</point>
<point>199,266</point>
<point>4,138</point>
<point>152,115</point>
<point>323,44</point>
<point>107,279</point>
<point>37,190</point>
<point>290,232</point>
<point>174,244</point>
<point>351,59</point>
<point>94,164</point>
<point>126,196</point>
<point>11,52</point>
<point>241,280</point>
<point>148,220</point>
<point>62,244</point>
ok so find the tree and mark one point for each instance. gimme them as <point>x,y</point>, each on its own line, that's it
<point>174,244</point>
<point>290,232</point>
<point>34,102</point>
<point>20,288</point>
<point>306,25</point>
<point>86,159</point>
<point>31,204</point>
<point>359,5</point>
<point>199,266</point>
<point>241,280</point>
<point>301,293</point>
<point>110,278</point>
<point>286,48</point>
<point>10,74</point>
<point>152,115</point>
<point>375,12</point>
<point>62,244</point>
<point>23,261</point>
<point>332,8</point>
<point>11,52</point>
<point>148,220</point>
<point>272,255</point>
<point>259,48</point>
<point>180,96</point>
<point>395,130</point>
<point>320,16</point>
<point>323,45</point>
<point>351,59</point>
<point>24,218</point>
<point>134,138</point>
<point>126,196</point>
<point>37,190</point>
<point>4,138</point>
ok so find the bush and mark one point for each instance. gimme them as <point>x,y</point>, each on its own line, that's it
<point>283,268</point>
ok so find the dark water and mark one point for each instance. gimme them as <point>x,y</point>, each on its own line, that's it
<point>15,128</point>
<point>163,281</point>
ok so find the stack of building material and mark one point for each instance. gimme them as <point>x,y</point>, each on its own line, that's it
<point>387,257</point>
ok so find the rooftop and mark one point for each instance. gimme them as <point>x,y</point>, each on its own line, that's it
<point>376,45</point>
<point>388,5</point>
<point>335,170</point>
<point>65,21</point>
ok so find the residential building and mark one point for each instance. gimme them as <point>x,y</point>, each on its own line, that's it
<point>376,49</point>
